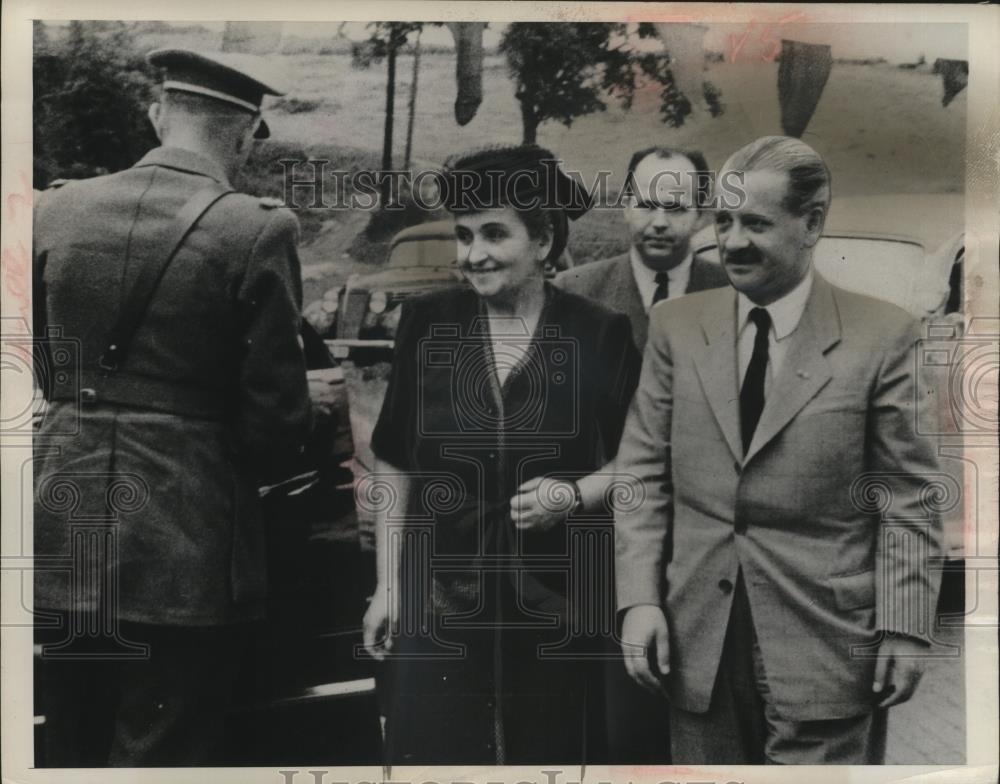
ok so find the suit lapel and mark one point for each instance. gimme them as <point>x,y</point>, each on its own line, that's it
<point>630,288</point>
<point>696,280</point>
<point>626,290</point>
<point>805,370</point>
<point>716,366</point>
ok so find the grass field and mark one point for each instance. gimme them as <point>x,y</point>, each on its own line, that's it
<point>881,129</point>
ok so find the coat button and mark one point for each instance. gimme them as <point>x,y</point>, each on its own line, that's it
<point>725,586</point>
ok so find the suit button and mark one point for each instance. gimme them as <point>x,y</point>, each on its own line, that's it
<point>725,586</point>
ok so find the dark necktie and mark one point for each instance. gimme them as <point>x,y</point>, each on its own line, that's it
<point>662,287</point>
<point>752,391</point>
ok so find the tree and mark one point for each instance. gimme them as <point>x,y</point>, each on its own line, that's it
<point>386,40</point>
<point>564,70</point>
<point>91,92</point>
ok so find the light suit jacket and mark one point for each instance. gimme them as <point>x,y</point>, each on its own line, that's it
<point>827,513</point>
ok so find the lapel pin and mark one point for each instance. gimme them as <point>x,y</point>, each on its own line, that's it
<point>802,374</point>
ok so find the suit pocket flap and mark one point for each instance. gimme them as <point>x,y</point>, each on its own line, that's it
<point>853,591</point>
<point>849,401</point>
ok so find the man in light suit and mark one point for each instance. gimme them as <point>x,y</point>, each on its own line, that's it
<point>796,607</point>
<point>664,210</point>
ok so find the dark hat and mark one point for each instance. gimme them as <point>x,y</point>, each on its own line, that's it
<point>237,79</point>
<point>524,177</point>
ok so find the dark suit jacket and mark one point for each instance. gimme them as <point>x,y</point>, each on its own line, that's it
<point>168,451</point>
<point>611,282</point>
<point>828,515</point>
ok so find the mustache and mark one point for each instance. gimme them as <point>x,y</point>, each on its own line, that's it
<point>742,256</point>
<point>479,266</point>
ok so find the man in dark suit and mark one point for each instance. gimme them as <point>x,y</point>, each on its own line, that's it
<point>665,200</point>
<point>768,417</point>
<point>149,537</point>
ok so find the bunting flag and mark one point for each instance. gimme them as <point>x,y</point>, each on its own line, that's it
<point>252,37</point>
<point>955,74</point>
<point>685,44</point>
<point>468,68</point>
<point>802,76</point>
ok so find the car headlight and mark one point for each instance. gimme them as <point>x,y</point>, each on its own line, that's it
<point>331,301</point>
<point>378,302</point>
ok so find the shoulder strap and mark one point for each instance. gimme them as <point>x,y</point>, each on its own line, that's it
<point>136,302</point>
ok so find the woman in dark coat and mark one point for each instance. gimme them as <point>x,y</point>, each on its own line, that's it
<point>506,401</point>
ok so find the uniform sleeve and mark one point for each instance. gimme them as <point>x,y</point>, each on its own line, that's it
<point>274,407</point>
<point>397,420</point>
<point>619,368</point>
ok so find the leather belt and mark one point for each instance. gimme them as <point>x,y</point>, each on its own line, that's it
<point>141,392</point>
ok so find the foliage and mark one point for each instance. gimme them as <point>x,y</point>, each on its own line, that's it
<point>91,93</point>
<point>384,36</point>
<point>564,70</point>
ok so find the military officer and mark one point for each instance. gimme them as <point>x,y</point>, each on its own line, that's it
<point>183,298</point>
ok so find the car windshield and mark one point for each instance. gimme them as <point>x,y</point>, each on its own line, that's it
<point>423,252</point>
<point>878,267</point>
<point>891,269</point>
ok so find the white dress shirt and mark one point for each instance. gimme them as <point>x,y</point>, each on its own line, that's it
<point>785,313</point>
<point>645,278</point>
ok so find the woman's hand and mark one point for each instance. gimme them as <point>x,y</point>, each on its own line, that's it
<point>381,622</point>
<point>542,503</point>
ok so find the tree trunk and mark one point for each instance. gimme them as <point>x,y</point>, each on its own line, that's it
<point>413,103</point>
<point>390,105</point>
<point>529,122</point>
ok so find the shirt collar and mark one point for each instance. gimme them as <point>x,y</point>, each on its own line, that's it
<point>642,272</point>
<point>184,160</point>
<point>785,313</point>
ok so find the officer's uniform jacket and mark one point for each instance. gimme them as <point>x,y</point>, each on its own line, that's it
<point>150,474</point>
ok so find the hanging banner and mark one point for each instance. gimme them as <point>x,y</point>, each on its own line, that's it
<point>802,76</point>
<point>955,74</point>
<point>468,68</point>
<point>685,44</point>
